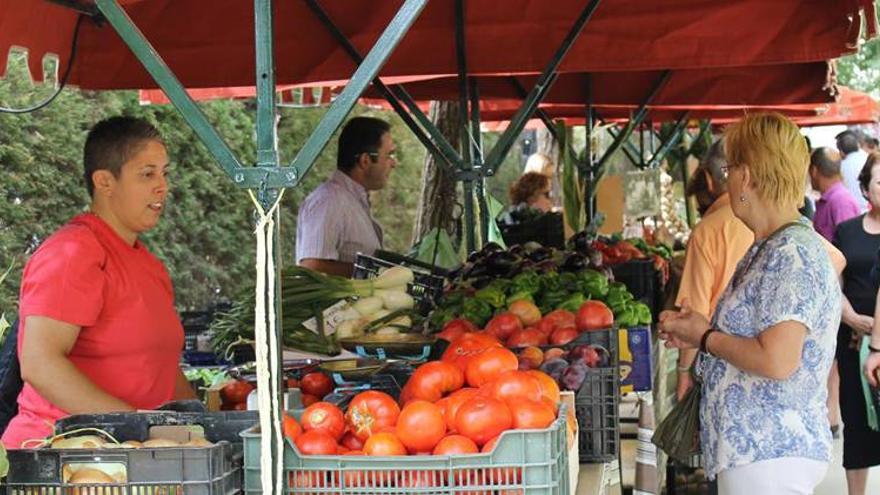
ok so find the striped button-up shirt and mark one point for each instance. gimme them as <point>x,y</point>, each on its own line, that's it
<point>334,222</point>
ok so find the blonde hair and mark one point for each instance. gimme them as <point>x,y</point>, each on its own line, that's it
<point>541,164</point>
<point>776,154</point>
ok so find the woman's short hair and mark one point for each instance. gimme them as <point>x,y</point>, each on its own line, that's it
<point>865,174</point>
<point>112,142</point>
<point>527,186</point>
<point>772,147</point>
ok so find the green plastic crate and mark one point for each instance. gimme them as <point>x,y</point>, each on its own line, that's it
<point>524,462</point>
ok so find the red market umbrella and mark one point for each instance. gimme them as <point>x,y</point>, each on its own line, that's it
<point>211,44</point>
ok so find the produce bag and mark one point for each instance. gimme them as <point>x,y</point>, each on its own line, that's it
<point>679,433</point>
<point>872,395</point>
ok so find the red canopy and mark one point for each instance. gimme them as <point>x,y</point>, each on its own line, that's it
<point>760,85</point>
<point>210,44</point>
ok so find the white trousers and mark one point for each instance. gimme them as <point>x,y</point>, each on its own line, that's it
<point>784,476</point>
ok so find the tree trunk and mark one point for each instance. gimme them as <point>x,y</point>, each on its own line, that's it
<point>439,198</point>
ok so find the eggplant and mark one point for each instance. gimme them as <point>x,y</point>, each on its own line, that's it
<point>517,250</point>
<point>476,257</point>
<point>527,265</point>
<point>490,248</point>
<point>480,282</point>
<point>540,254</point>
<point>501,262</point>
<point>475,270</point>
<point>581,241</point>
<point>575,262</point>
<point>546,266</point>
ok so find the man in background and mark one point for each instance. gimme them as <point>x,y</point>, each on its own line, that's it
<point>851,165</point>
<point>836,204</point>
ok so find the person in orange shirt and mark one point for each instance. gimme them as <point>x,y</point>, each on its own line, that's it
<point>717,243</point>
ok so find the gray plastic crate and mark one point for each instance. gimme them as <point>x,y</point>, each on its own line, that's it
<point>533,462</point>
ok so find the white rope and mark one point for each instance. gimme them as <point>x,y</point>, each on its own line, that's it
<point>266,357</point>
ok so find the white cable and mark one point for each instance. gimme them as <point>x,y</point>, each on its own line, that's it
<point>266,359</point>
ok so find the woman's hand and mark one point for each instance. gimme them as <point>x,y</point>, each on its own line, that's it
<point>872,364</point>
<point>683,329</point>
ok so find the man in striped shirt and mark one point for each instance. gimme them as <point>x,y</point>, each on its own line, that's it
<point>334,222</point>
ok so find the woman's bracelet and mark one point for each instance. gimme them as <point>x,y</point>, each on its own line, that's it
<point>705,339</point>
<point>683,369</point>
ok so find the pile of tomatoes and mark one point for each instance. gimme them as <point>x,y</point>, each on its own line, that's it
<point>314,387</point>
<point>458,405</point>
<point>522,325</point>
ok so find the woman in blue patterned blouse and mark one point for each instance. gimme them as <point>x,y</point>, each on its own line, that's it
<point>767,352</point>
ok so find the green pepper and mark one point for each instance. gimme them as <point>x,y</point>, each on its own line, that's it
<point>493,296</point>
<point>526,282</point>
<point>643,313</point>
<point>500,284</point>
<point>552,299</point>
<point>594,283</point>
<point>627,318</point>
<point>440,316</point>
<point>477,311</point>
<point>519,296</point>
<point>573,303</point>
<point>570,281</point>
<point>550,282</point>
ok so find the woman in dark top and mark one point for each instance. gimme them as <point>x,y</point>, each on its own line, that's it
<point>859,240</point>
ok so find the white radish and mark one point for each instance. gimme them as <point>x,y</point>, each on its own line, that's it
<point>395,276</point>
<point>367,306</point>
<point>394,301</point>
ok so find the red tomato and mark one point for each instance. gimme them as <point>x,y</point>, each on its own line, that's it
<point>527,337</point>
<point>370,411</point>
<point>236,391</point>
<point>308,400</point>
<point>420,426</point>
<point>526,311</point>
<point>485,367</point>
<point>560,318</point>
<point>563,335</point>
<point>421,479</point>
<point>351,441</point>
<point>384,443</point>
<point>355,479</point>
<point>500,475</point>
<point>549,387</point>
<point>514,385</point>
<point>431,381</point>
<point>316,443</point>
<point>324,417</point>
<point>292,383</point>
<point>316,383</point>
<point>503,324</point>
<point>594,315</point>
<point>466,346</point>
<point>241,406</point>
<point>454,402</point>
<point>304,481</point>
<point>456,444</point>
<point>456,328</point>
<point>291,427</point>
<point>531,414</point>
<point>483,418</point>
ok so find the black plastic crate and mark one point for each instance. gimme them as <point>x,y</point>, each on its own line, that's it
<point>390,380</point>
<point>596,408</point>
<point>688,479</point>
<point>548,230</point>
<point>211,470</point>
<point>643,282</point>
<point>426,288</point>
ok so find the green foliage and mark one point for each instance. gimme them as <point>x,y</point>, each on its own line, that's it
<point>206,236</point>
<point>861,70</point>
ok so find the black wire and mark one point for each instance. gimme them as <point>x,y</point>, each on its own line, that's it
<point>62,83</point>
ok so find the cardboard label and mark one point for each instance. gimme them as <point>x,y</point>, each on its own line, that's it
<point>333,317</point>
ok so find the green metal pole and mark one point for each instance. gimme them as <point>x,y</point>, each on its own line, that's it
<point>664,149</point>
<point>627,148</point>
<point>464,123</point>
<point>153,63</point>
<point>518,122</point>
<point>586,166</point>
<point>267,158</point>
<point>366,72</point>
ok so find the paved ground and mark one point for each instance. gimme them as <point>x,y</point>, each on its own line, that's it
<point>835,482</point>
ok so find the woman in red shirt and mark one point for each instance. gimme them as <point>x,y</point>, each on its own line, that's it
<point>99,330</point>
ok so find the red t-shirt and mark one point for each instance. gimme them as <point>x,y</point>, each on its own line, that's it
<point>120,295</point>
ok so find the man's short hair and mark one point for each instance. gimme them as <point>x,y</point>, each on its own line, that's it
<point>826,161</point>
<point>847,142</point>
<point>360,135</point>
<point>112,142</point>
<point>872,143</point>
<point>714,162</point>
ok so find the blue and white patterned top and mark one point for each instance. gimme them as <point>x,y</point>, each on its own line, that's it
<point>746,418</point>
